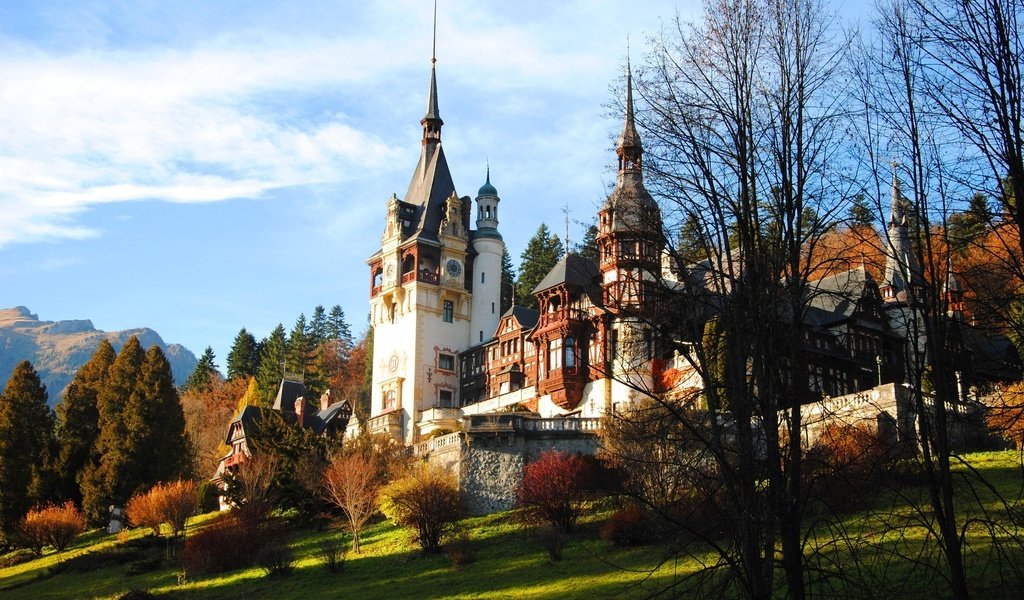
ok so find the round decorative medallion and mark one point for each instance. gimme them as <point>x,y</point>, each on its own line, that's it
<point>453,267</point>
<point>393,363</point>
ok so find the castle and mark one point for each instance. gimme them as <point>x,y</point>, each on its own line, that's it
<point>446,359</point>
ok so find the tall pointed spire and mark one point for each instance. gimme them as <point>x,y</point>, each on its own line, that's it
<point>628,148</point>
<point>897,212</point>
<point>432,120</point>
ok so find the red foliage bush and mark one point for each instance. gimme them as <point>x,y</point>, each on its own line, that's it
<point>554,488</point>
<point>629,526</point>
<point>54,525</point>
<point>843,467</point>
<point>171,503</point>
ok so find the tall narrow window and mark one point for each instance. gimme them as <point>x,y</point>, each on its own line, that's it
<point>448,314</point>
<point>570,353</point>
<point>483,277</point>
<point>445,398</point>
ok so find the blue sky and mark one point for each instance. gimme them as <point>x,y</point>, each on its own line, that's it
<point>199,166</point>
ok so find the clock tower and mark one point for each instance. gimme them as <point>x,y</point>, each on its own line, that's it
<point>420,299</point>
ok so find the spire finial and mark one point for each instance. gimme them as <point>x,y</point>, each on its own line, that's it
<point>433,47</point>
<point>629,148</point>
<point>432,121</point>
<point>488,170</point>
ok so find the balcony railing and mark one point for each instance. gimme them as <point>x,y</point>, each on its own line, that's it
<point>443,441</point>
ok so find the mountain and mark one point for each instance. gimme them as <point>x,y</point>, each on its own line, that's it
<point>57,348</point>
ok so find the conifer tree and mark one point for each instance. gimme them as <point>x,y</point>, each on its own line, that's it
<point>26,444</point>
<point>338,328</point>
<point>205,369</point>
<point>588,249</point>
<point>156,425</point>
<point>542,252</point>
<point>78,422</point>
<point>318,326</point>
<point>244,357</point>
<point>861,212</point>
<point>109,480</point>
<point>297,353</point>
<point>967,227</point>
<point>508,281</point>
<point>272,361</point>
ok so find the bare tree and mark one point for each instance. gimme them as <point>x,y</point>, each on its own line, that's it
<point>351,482</point>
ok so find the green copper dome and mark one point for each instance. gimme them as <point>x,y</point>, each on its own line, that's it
<point>487,189</point>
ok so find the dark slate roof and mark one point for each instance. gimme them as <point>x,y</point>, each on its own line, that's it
<point>527,317</point>
<point>249,417</point>
<point>287,393</point>
<point>339,411</point>
<point>634,209</point>
<point>839,294</point>
<point>576,271</point>
<point>431,185</point>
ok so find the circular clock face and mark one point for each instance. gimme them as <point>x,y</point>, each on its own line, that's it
<point>453,267</point>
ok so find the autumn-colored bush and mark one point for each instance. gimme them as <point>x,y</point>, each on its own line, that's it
<point>54,525</point>
<point>1005,414</point>
<point>351,482</point>
<point>629,526</point>
<point>165,503</point>
<point>844,465</point>
<point>426,499</point>
<point>225,544</point>
<point>554,488</point>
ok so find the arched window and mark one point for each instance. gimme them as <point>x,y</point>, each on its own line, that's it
<point>390,400</point>
<point>570,353</point>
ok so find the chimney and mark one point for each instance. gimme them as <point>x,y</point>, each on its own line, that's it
<point>325,400</point>
<point>300,411</point>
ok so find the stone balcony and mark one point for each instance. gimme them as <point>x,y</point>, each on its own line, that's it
<point>389,423</point>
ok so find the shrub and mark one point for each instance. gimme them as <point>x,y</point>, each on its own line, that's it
<point>351,482</point>
<point>553,489</point>
<point>427,499</point>
<point>165,503</point>
<point>16,558</point>
<point>553,541</point>
<point>332,554</point>
<point>459,549</point>
<point>842,468</point>
<point>221,546</point>
<point>208,497</point>
<point>54,525</point>
<point>629,526</point>
<point>277,559</point>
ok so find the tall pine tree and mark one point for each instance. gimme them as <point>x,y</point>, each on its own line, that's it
<point>110,479</point>
<point>272,362</point>
<point>156,425</point>
<point>338,328</point>
<point>244,357</point>
<point>26,444</point>
<point>508,281</point>
<point>318,326</point>
<point>205,369</point>
<point>588,249</point>
<point>542,252</point>
<point>78,422</point>
<point>297,354</point>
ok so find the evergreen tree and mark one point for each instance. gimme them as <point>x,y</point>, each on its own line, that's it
<point>542,252</point>
<point>78,422</point>
<point>969,226</point>
<point>508,281</point>
<point>205,369</point>
<point>338,328</point>
<point>26,444</point>
<point>318,326</point>
<point>588,249</point>
<point>156,425</point>
<point>691,248</point>
<point>244,357</point>
<point>297,354</point>
<point>272,362</point>
<point>861,212</point>
<point>110,479</point>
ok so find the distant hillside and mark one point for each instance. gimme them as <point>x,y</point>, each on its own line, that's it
<point>57,348</point>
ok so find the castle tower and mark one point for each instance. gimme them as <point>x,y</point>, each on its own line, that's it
<point>902,271</point>
<point>629,236</point>
<point>419,298</point>
<point>489,248</point>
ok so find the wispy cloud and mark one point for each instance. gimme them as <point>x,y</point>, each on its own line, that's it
<point>177,126</point>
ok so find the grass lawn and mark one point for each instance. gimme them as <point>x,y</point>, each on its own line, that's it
<point>882,553</point>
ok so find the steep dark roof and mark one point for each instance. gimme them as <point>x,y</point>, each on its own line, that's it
<point>339,412</point>
<point>430,186</point>
<point>287,393</point>
<point>839,294</point>
<point>527,317</point>
<point>249,417</point>
<point>576,271</point>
